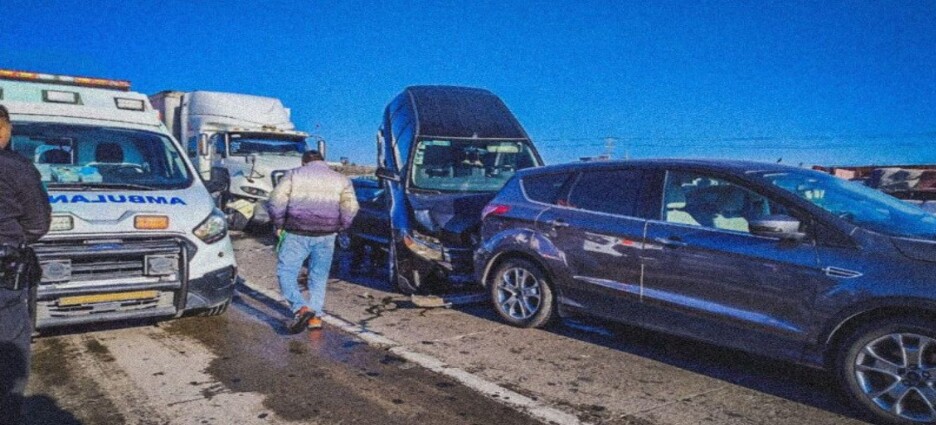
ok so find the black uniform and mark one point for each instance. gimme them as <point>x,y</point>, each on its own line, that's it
<point>24,218</point>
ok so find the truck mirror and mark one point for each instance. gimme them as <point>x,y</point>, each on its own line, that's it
<point>203,147</point>
<point>251,159</point>
<point>220,180</point>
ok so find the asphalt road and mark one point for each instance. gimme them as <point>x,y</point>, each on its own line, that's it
<point>239,368</point>
<point>414,365</point>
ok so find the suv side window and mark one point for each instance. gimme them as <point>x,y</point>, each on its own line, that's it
<point>607,191</point>
<point>700,200</point>
<point>544,188</point>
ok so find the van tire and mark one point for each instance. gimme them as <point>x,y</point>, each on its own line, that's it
<point>407,285</point>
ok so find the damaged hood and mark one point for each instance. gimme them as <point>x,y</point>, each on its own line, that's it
<point>453,218</point>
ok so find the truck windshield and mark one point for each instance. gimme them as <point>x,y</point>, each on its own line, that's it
<point>469,165</point>
<point>857,204</point>
<point>253,145</point>
<point>102,157</point>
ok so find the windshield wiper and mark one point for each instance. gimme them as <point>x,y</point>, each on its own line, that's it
<point>99,186</point>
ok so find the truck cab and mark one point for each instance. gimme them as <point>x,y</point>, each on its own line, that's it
<point>249,138</point>
<point>442,154</point>
<point>134,231</point>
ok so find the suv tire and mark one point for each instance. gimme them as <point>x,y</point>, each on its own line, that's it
<point>888,369</point>
<point>521,294</point>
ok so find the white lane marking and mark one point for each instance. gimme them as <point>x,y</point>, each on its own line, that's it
<point>489,389</point>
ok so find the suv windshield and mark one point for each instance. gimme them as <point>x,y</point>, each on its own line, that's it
<point>88,156</point>
<point>469,165</point>
<point>251,145</point>
<point>857,204</point>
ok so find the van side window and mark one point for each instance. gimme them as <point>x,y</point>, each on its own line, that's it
<point>607,191</point>
<point>700,200</point>
<point>544,188</point>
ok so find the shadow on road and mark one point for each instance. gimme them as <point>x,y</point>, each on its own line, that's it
<point>43,410</point>
<point>800,384</point>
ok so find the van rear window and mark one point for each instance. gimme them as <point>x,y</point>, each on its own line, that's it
<point>544,188</point>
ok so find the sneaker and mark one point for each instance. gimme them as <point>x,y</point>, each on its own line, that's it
<point>315,323</point>
<point>300,320</point>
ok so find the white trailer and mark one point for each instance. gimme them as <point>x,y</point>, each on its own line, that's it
<point>252,138</point>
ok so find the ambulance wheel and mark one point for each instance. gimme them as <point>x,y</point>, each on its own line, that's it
<point>216,310</point>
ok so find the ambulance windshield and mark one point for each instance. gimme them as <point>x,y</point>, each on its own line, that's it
<point>90,157</point>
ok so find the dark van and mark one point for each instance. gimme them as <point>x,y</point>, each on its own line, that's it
<point>442,153</point>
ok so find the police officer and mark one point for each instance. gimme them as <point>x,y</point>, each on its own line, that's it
<point>24,217</point>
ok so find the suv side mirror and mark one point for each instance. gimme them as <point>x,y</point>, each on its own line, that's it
<point>384,173</point>
<point>778,226</point>
<point>220,180</point>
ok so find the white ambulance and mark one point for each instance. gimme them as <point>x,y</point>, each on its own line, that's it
<point>134,233</point>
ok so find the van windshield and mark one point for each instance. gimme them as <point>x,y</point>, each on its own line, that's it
<point>255,145</point>
<point>88,157</point>
<point>469,165</point>
<point>857,204</point>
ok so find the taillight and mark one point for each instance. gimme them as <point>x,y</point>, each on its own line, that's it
<point>494,209</point>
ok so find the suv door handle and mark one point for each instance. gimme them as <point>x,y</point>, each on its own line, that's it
<point>559,223</point>
<point>671,242</point>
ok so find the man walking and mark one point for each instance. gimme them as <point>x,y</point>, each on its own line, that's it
<point>24,217</point>
<point>308,207</point>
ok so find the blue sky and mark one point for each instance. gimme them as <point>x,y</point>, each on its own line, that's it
<point>819,82</point>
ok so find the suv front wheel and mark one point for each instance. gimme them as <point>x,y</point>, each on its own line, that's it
<point>888,368</point>
<point>521,294</point>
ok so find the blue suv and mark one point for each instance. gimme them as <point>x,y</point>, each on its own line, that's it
<point>775,260</point>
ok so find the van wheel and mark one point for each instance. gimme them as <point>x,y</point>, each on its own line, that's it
<point>407,285</point>
<point>521,294</point>
<point>888,368</point>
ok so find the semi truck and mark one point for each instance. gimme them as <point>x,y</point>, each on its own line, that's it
<point>134,231</point>
<point>442,154</point>
<point>251,138</point>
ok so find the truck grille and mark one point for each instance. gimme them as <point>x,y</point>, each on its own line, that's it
<point>97,260</point>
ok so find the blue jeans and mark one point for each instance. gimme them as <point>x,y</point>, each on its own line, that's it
<point>294,251</point>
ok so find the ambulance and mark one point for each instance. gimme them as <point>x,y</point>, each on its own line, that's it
<point>135,233</point>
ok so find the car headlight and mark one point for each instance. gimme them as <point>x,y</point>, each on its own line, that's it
<point>213,228</point>
<point>424,246</point>
<point>250,190</point>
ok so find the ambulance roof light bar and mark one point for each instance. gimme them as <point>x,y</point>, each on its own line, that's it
<point>8,74</point>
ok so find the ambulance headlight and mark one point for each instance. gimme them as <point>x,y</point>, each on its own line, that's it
<point>213,228</point>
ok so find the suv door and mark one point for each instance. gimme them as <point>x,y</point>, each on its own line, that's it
<point>596,228</point>
<point>717,280</point>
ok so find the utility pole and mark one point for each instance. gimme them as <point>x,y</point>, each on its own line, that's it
<point>609,147</point>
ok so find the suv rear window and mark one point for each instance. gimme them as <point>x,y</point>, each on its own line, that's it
<point>544,188</point>
<point>607,191</point>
